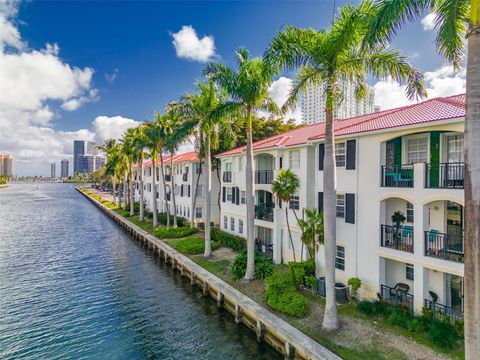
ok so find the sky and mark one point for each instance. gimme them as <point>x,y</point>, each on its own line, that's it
<point>89,70</point>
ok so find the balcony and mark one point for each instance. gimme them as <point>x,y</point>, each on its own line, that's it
<point>263,176</point>
<point>443,312</point>
<point>442,246</point>
<point>397,295</point>
<point>227,177</point>
<point>444,175</point>
<point>398,239</point>
<point>168,177</point>
<point>185,177</point>
<point>398,176</point>
<point>264,212</point>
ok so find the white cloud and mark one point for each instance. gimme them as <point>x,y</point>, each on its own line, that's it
<point>189,46</point>
<point>279,91</point>
<point>106,127</point>
<point>111,77</point>
<point>443,81</point>
<point>428,22</point>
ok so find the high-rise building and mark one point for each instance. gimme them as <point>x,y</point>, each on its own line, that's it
<point>78,149</point>
<point>53,170</point>
<point>6,165</point>
<point>91,148</point>
<point>313,103</point>
<point>64,168</point>
<point>90,163</point>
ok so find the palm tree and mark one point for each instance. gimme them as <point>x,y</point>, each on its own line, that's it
<point>203,114</point>
<point>110,148</point>
<point>284,187</point>
<point>248,91</point>
<point>130,152</point>
<point>454,21</point>
<point>326,57</point>
<point>140,143</point>
<point>312,230</point>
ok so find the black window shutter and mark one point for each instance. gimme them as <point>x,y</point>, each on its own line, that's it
<point>350,208</point>
<point>351,154</point>
<point>237,196</point>
<point>224,194</point>
<point>188,190</point>
<point>233,195</point>
<point>321,155</point>
<point>281,162</point>
<point>320,202</point>
<point>181,190</point>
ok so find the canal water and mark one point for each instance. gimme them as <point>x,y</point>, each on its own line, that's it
<point>73,285</point>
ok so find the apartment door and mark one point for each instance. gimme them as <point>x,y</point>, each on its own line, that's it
<point>454,292</point>
<point>454,226</point>
<point>455,160</point>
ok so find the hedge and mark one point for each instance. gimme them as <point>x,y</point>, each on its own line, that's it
<point>174,233</point>
<point>162,219</point>
<point>263,266</point>
<point>281,294</point>
<point>233,242</point>
<point>191,245</point>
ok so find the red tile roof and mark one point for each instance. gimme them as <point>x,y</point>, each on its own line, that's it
<point>427,111</point>
<point>177,158</point>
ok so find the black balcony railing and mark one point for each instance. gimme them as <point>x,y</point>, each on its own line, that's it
<point>264,212</point>
<point>445,246</point>
<point>397,176</point>
<point>443,312</point>
<point>444,176</point>
<point>396,296</point>
<point>227,176</point>
<point>263,176</point>
<point>185,177</point>
<point>168,177</point>
<point>398,239</point>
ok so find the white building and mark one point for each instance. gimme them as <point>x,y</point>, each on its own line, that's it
<point>313,103</point>
<point>408,159</point>
<point>181,173</point>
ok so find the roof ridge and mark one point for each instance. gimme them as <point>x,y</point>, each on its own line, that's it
<point>450,100</point>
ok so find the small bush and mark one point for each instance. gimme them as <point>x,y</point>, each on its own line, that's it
<point>191,245</point>
<point>355,284</point>
<point>162,219</point>
<point>373,308</point>
<point>311,282</point>
<point>174,233</point>
<point>263,266</point>
<point>233,242</point>
<point>442,334</point>
<point>300,270</point>
<point>281,295</point>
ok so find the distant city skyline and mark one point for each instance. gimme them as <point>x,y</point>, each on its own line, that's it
<point>6,165</point>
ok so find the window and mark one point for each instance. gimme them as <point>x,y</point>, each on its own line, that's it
<point>188,213</point>
<point>186,169</point>
<point>409,212</point>
<point>294,159</point>
<point>409,272</point>
<point>340,258</point>
<point>341,206</point>
<point>225,222</point>
<point>243,197</point>
<point>232,224</point>
<point>198,212</point>
<point>295,202</point>
<point>340,154</point>
<point>229,193</point>
<point>240,164</point>
<point>228,166</point>
<point>417,150</point>
<point>200,191</point>
<point>240,226</point>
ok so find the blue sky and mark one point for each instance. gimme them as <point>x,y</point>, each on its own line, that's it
<point>128,65</point>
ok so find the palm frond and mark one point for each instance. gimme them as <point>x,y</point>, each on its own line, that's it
<point>307,76</point>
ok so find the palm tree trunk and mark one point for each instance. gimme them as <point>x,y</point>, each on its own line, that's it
<point>472,199</point>
<point>219,189</point>
<point>172,182</point>
<point>132,197</point>
<point>142,204</point>
<point>208,195</point>
<point>250,193</point>
<point>154,193</point>
<point>194,206</point>
<point>290,233</point>
<point>125,190</point>
<point>114,190</point>
<point>165,190</point>
<point>330,319</point>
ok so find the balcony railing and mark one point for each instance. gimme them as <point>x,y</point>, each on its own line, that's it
<point>443,312</point>
<point>443,246</point>
<point>227,176</point>
<point>263,176</point>
<point>444,176</point>
<point>396,296</point>
<point>264,212</point>
<point>397,176</point>
<point>398,239</point>
<point>185,177</point>
<point>168,177</point>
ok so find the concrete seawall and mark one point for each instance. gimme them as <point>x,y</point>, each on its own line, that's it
<point>285,338</point>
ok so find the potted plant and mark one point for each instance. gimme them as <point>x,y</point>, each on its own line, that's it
<point>398,218</point>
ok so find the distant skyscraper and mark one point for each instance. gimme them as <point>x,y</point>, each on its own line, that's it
<point>53,170</point>
<point>91,148</point>
<point>64,168</point>
<point>78,150</point>
<point>85,157</point>
<point>90,163</point>
<point>313,103</point>
<point>6,165</point>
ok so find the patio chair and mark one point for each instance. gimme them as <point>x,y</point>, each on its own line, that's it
<point>433,296</point>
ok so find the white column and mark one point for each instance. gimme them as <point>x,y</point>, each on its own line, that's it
<point>420,276</point>
<point>420,217</point>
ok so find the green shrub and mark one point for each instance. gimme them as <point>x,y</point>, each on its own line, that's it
<point>460,328</point>
<point>311,282</point>
<point>442,334</point>
<point>263,266</point>
<point>355,284</point>
<point>181,222</point>
<point>233,242</point>
<point>300,270</point>
<point>400,318</point>
<point>373,308</point>
<point>281,295</point>
<point>191,245</point>
<point>173,233</point>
